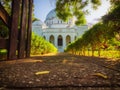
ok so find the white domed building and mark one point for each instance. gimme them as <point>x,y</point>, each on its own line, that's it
<point>58,32</point>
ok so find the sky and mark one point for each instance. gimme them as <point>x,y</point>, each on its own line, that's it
<point>43,7</point>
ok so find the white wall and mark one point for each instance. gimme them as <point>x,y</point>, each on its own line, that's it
<point>59,29</point>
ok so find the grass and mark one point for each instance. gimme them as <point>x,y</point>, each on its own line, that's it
<point>3,54</point>
<point>3,51</point>
<point>109,54</point>
<point>103,53</point>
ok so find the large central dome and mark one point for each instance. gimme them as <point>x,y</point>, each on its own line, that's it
<point>52,21</point>
<point>51,14</point>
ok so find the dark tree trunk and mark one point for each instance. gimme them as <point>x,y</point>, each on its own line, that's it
<point>23,27</point>
<point>13,42</point>
<point>29,30</point>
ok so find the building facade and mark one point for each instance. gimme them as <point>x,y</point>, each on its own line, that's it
<point>58,32</point>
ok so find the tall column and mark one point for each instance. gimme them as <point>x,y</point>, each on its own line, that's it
<point>56,41</point>
<point>64,41</point>
<point>47,37</point>
<point>72,38</point>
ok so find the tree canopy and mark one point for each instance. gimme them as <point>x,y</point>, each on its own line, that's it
<point>104,35</point>
<point>74,8</point>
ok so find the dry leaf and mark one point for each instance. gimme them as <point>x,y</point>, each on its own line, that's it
<point>42,72</point>
<point>100,75</point>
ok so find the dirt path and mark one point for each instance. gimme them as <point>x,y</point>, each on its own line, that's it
<point>60,70</point>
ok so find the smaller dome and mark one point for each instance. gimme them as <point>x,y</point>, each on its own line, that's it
<point>37,23</point>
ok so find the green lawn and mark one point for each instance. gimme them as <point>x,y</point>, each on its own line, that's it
<point>3,54</point>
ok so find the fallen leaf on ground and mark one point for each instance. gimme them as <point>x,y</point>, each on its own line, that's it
<point>42,72</point>
<point>100,75</point>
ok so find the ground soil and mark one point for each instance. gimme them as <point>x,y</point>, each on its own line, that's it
<point>60,70</point>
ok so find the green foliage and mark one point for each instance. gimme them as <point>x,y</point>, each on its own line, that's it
<point>114,44</point>
<point>40,46</point>
<point>113,17</point>
<point>3,54</point>
<point>7,5</point>
<point>4,31</point>
<point>96,3</point>
<point>98,38</point>
<point>74,8</point>
<point>103,37</point>
<point>115,2</point>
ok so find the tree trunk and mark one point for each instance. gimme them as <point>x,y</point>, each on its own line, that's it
<point>88,53</point>
<point>99,52</point>
<point>13,35</point>
<point>29,29</point>
<point>92,51</point>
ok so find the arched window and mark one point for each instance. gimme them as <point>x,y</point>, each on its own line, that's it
<point>51,39</point>
<point>60,40</point>
<point>68,39</point>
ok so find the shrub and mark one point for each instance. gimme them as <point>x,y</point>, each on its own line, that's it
<point>40,46</point>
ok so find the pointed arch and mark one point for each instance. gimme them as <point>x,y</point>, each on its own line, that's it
<point>68,39</point>
<point>60,40</point>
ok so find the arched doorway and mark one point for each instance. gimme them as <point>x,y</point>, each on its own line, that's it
<point>52,39</point>
<point>68,39</point>
<point>60,40</point>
